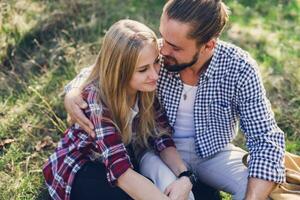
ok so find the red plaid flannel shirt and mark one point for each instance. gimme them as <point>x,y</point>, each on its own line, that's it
<point>76,148</point>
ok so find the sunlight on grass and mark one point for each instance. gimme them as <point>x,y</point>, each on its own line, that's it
<point>43,44</point>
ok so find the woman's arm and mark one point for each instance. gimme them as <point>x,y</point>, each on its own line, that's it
<point>114,156</point>
<point>139,187</point>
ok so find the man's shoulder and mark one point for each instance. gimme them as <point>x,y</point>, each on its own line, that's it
<point>240,57</point>
<point>232,51</point>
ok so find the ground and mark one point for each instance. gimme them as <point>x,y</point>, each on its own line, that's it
<point>44,43</point>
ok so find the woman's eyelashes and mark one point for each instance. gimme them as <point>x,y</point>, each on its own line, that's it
<point>146,67</point>
<point>143,69</point>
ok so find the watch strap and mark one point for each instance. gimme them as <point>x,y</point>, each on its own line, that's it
<point>190,175</point>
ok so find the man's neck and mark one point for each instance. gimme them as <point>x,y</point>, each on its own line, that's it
<point>191,75</point>
<point>202,64</point>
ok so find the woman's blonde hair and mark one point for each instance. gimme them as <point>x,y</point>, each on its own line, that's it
<point>112,73</point>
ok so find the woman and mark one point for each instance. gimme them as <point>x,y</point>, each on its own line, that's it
<point>120,97</point>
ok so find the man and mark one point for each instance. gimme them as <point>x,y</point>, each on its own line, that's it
<point>207,87</point>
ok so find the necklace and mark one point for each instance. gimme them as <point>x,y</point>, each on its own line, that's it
<point>203,69</point>
<point>185,92</point>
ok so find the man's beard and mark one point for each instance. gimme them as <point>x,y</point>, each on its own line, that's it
<point>179,67</point>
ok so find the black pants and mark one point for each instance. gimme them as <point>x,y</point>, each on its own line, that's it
<point>91,184</point>
<point>204,192</point>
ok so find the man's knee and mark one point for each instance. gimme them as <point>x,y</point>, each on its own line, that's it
<point>240,190</point>
<point>155,169</point>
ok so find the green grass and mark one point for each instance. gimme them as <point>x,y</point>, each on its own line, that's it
<point>44,43</point>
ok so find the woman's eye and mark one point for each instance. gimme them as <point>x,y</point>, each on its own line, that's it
<point>143,70</point>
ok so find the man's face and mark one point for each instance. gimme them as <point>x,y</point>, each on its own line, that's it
<point>178,50</point>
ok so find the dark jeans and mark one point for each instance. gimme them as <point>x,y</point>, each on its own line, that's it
<point>204,192</point>
<point>91,184</point>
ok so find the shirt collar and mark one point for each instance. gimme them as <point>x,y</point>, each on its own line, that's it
<point>213,63</point>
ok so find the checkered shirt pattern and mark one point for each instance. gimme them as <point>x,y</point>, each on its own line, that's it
<point>76,148</point>
<point>230,91</point>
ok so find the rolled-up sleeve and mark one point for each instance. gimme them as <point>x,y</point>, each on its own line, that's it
<point>265,140</point>
<point>109,143</point>
<point>79,79</point>
<point>162,124</point>
<point>163,142</point>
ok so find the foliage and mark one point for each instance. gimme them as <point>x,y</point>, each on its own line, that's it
<point>44,43</point>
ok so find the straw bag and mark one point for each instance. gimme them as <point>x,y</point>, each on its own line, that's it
<point>290,190</point>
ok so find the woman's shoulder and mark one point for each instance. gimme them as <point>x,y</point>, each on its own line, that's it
<point>90,92</point>
<point>91,95</point>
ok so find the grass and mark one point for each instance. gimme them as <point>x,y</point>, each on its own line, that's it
<point>44,43</point>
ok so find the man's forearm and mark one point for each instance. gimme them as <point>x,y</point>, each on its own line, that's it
<point>171,157</point>
<point>79,79</point>
<point>259,189</point>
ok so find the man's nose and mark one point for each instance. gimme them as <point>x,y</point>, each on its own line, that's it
<point>164,50</point>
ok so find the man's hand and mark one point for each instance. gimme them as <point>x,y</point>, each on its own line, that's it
<point>259,189</point>
<point>74,104</point>
<point>179,189</point>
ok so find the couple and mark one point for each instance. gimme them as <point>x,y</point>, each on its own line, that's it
<point>204,88</point>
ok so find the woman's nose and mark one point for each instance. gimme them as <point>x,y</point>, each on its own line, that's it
<point>153,73</point>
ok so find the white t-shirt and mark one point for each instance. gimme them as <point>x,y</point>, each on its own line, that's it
<point>184,124</point>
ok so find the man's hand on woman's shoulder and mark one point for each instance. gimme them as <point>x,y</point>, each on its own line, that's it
<point>74,104</point>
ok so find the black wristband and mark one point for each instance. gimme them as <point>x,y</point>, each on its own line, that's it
<point>190,175</point>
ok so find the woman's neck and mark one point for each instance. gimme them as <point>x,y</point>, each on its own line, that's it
<point>132,99</point>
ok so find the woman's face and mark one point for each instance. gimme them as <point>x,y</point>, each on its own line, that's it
<point>145,76</point>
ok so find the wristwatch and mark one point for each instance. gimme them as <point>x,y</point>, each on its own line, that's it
<point>190,175</point>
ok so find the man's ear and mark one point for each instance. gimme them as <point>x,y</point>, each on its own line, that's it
<point>210,45</point>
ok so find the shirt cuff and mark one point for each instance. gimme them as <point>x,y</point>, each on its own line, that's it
<point>117,168</point>
<point>266,170</point>
<point>163,142</point>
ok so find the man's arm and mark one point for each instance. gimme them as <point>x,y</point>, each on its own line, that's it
<point>165,146</point>
<point>171,157</point>
<point>180,188</point>
<point>79,79</point>
<point>259,189</point>
<point>74,103</point>
<point>265,141</point>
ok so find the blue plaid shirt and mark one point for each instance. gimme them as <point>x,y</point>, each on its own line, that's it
<point>229,91</point>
